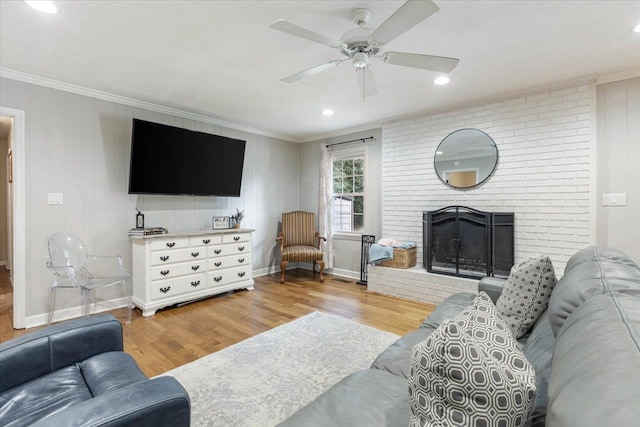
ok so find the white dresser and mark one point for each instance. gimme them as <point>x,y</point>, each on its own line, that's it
<point>179,267</point>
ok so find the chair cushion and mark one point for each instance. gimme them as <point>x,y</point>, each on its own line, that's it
<point>110,371</point>
<point>301,253</point>
<point>471,372</point>
<point>526,294</point>
<point>29,402</point>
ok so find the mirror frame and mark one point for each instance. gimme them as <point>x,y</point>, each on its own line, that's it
<point>485,179</point>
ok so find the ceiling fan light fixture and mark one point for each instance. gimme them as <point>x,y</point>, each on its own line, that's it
<point>442,80</point>
<point>42,6</point>
<point>360,60</point>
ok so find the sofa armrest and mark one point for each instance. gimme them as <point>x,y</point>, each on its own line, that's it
<point>41,352</point>
<point>492,286</point>
<point>160,401</point>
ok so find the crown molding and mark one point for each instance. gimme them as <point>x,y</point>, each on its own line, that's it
<point>616,77</point>
<point>132,102</point>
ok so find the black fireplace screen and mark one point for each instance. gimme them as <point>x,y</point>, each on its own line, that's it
<point>465,242</point>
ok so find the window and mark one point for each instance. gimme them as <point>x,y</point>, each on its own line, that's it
<point>348,194</point>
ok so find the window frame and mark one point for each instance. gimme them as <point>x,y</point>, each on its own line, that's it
<point>346,154</point>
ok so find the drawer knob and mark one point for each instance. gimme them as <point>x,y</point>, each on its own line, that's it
<point>241,248</point>
<point>165,289</point>
<point>206,241</point>
<point>236,238</point>
<point>164,272</point>
<point>195,254</point>
<point>241,274</point>
<point>195,267</point>
<point>195,284</point>
<point>171,244</point>
<point>217,251</point>
<point>217,279</point>
<point>217,264</point>
<point>241,260</point>
<point>164,258</point>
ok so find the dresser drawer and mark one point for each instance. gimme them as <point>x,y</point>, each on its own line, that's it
<point>169,287</point>
<point>228,261</point>
<point>235,237</point>
<point>162,244</point>
<point>229,275</point>
<point>178,255</point>
<point>205,240</point>
<point>178,269</point>
<point>227,250</point>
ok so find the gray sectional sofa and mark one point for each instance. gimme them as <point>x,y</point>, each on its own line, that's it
<point>585,349</point>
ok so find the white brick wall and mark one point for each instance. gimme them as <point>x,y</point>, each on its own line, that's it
<point>543,172</point>
<point>416,284</point>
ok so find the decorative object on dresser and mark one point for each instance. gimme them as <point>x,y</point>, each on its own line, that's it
<point>181,267</point>
<point>237,218</point>
<point>220,222</point>
<point>139,219</point>
<point>299,242</point>
<point>466,242</point>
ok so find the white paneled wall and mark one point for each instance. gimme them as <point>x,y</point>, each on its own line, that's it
<point>80,146</point>
<point>543,174</point>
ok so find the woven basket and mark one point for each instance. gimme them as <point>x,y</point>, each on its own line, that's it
<point>402,258</point>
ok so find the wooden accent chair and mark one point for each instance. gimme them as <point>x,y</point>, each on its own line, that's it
<point>299,241</point>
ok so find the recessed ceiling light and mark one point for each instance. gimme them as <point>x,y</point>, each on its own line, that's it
<point>43,6</point>
<point>327,112</point>
<point>636,29</point>
<point>442,80</point>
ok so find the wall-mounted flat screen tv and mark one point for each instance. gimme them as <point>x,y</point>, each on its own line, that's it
<point>171,160</point>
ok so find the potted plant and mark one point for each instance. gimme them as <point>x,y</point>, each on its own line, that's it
<point>237,218</point>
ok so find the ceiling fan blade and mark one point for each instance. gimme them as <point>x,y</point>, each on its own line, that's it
<point>409,14</point>
<point>440,64</point>
<point>313,70</point>
<point>366,82</point>
<point>294,30</point>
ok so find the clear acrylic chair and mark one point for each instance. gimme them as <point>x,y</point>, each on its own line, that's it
<point>73,267</point>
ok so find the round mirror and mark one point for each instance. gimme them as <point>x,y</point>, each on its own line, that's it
<point>465,158</point>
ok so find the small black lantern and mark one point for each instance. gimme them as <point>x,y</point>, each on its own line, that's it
<point>139,220</point>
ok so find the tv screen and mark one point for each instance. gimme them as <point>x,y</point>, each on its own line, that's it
<point>170,160</point>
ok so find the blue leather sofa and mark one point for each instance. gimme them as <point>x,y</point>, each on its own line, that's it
<point>76,374</point>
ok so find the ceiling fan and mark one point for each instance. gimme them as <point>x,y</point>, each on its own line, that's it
<point>363,43</point>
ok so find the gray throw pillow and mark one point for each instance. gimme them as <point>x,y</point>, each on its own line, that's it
<point>470,372</point>
<point>526,294</point>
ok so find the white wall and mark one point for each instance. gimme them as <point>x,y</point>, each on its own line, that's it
<point>346,249</point>
<point>543,174</point>
<point>619,164</point>
<point>80,146</point>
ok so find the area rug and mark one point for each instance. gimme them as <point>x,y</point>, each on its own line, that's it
<point>266,378</point>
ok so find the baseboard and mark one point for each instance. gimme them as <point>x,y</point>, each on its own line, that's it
<point>74,312</point>
<point>345,273</point>
<point>275,269</point>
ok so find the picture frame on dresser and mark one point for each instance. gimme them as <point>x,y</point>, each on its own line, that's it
<point>220,222</point>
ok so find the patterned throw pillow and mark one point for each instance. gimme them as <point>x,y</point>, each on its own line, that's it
<point>526,294</point>
<point>470,372</point>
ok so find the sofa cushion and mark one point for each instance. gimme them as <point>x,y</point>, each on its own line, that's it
<point>526,294</point>
<point>590,272</point>
<point>539,351</point>
<point>29,402</point>
<point>396,359</point>
<point>470,371</point>
<point>367,398</point>
<point>595,373</point>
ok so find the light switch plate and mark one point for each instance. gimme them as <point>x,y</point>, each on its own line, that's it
<point>614,199</point>
<point>55,199</point>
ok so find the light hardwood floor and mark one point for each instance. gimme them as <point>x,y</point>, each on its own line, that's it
<point>178,335</point>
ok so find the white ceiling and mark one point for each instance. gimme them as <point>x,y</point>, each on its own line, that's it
<point>221,59</point>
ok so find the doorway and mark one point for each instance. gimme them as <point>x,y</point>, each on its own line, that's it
<point>12,179</point>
